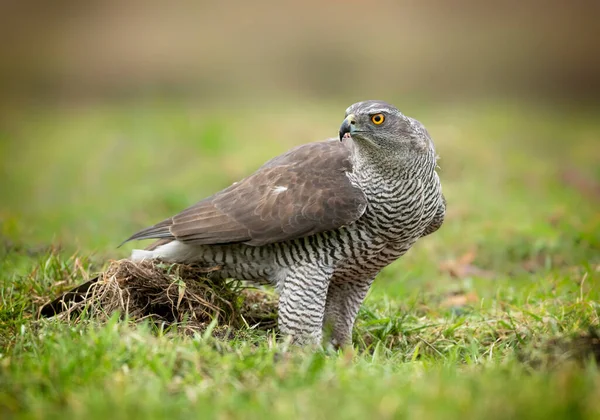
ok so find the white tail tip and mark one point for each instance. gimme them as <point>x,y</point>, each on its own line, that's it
<point>141,255</point>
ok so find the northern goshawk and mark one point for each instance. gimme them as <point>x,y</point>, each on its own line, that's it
<point>318,222</point>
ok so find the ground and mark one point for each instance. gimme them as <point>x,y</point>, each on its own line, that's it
<point>495,315</point>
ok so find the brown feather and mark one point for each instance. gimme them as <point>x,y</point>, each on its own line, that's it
<point>302,192</point>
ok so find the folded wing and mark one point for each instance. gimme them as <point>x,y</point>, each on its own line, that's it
<point>300,193</point>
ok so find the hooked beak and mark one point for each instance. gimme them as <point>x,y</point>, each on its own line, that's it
<point>346,127</point>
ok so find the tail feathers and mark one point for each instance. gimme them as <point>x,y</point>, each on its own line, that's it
<point>59,304</point>
<point>141,255</point>
<point>158,231</point>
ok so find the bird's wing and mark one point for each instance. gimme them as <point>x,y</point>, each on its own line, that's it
<point>300,193</point>
<point>438,219</point>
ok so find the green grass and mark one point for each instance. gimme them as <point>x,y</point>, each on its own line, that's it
<point>493,316</point>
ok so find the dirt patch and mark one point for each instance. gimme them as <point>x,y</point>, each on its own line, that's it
<point>578,348</point>
<point>173,294</point>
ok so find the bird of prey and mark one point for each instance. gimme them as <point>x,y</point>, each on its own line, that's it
<point>318,222</point>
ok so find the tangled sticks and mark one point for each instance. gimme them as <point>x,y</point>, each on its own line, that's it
<point>168,293</point>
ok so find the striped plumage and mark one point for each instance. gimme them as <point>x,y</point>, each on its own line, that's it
<point>319,221</point>
<point>371,195</point>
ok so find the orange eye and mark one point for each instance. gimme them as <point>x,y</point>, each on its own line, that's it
<point>377,119</point>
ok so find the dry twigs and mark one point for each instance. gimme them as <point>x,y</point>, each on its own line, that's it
<point>174,294</point>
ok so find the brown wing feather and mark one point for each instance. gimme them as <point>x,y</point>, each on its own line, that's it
<point>302,192</point>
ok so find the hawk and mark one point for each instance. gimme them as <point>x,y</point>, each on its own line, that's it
<point>319,221</point>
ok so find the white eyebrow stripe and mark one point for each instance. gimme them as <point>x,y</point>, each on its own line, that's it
<point>378,111</point>
<point>372,108</point>
<point>382,111</point>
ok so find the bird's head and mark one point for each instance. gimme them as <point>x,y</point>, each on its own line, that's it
<point>380,126</point>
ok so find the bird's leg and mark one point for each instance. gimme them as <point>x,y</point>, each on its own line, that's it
<point>344,298</point>
<point>302,304</point>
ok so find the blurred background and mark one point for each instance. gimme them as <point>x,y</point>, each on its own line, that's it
<point>114,115</point>
<point>86,51</point>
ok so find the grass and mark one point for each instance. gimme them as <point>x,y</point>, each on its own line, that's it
<point>496,315</point>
